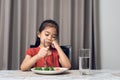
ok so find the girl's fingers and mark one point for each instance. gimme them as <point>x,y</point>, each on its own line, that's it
<point>52,45</point>
<point>43,52</point>
<point>55,44</point>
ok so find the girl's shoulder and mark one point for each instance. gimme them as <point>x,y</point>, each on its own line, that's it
<point>32,51</point>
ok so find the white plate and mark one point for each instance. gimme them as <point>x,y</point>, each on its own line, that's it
<point>57,70</point>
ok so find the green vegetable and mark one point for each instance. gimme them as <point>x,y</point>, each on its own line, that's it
<point>51,68</point>
<point>45,68</point>
<point>38,68</point>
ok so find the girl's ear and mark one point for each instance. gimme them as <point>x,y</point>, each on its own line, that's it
<point>38,34</point>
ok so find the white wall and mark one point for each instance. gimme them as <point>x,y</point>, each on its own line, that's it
<point>110,33</point>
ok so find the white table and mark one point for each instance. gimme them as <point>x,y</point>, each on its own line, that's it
<point>69,75</point>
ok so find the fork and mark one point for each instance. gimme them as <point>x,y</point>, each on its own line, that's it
<point>45,64</point>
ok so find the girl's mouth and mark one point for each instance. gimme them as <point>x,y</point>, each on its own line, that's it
<point>48,43</point>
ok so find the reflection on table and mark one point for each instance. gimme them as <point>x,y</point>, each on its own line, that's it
<point>68,75</point>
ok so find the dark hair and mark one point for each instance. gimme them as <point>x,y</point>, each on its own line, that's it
<point>43,25</point>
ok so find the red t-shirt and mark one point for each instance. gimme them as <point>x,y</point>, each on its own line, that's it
<point>51,60</point>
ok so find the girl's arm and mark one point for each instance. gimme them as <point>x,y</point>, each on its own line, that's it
<point>29,61</point>
<point>63,59</point>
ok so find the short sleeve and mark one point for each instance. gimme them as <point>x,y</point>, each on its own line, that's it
<point>32,51</point>
<point>29,52</point>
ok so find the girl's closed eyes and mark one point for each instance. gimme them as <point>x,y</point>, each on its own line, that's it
<point>50,34</point>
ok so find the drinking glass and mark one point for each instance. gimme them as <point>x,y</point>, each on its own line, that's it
<point>85,61</point>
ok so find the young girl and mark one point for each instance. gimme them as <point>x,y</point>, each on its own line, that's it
<point>47,51</point>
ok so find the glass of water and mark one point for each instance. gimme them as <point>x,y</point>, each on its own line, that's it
<point>85,61</point>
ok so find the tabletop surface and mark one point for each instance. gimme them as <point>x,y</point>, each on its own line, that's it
<point>68,75</point>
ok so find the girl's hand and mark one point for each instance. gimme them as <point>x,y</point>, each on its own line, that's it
<point>55,44</point>
<point>43,52</point>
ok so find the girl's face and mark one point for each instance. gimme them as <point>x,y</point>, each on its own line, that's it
<point>47,35</point>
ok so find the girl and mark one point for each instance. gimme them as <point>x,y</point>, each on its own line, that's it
<point>47,51</point>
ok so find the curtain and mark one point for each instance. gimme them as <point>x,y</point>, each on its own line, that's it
<point>20,20</point>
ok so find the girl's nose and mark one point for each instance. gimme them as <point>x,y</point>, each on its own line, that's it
<point>50,37</point>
